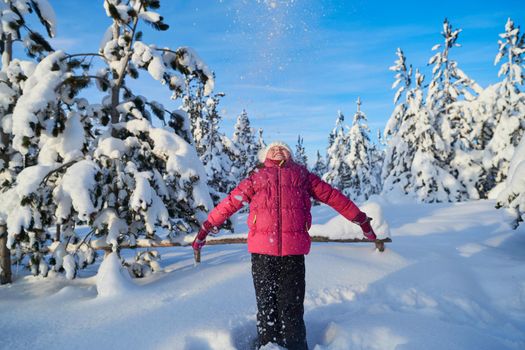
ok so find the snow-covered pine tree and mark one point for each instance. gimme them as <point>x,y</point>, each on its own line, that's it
<point>429,182</point>
<point>493,118</point>
<point>13,25</point>
<point>449,85</point>
<point>48,131</point>
<point>193,105</point>
<point>212,151</point>
<point>464,163</point>
<point>415,168</point>
<point>394,165</point>
<point>300,153</point>
<point>338,172</point>
<point>395,173</point>
<point>513,194</point>
<point>319,167</point>
<point>479,114</point>
<point>123,177</point>
<point>363,181</point>
<point>163,182</point>
<point>403,80</point>
<point>244,141</point>
<point>509,107</point>
<point>378,158</point>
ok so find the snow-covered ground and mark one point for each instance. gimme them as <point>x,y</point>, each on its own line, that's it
<point>453,278</point>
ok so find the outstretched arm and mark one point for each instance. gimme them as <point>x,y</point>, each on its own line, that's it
<point>234,201</point>
<point>325,193</point>
<point>227,207</point>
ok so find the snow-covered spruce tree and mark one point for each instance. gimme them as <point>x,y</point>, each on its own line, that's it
<point>159,180</point>
<point>338,172</point>
<point>300,153</point>
<point>132,179</point>
<point>378,158</point>
<point>513,194</point>
<point>395,168</point>
<point>449,85</point>
<point>429,181</point>
<point>14,29</point>
<point>49,130</point>
<point>494,117</point>
<point>363,179</point>
<point>415,168</point>
<point>509,107</point>
<point>319,167</point>
<point>194,105</point>
<point>479,114</point>
<point>402,82</point>
<point>215,150</point>
<point>244,141</point>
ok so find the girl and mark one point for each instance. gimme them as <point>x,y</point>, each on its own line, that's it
<point>279,194</point>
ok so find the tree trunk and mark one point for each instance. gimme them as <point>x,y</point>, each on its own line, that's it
<point>379,243</point>
<point>114,103</point>
<point>5,257</point>
<point>57,236</point>
<point>5,254</point>
<point>115,89</point>
<point>7,56</point>
<point>4,140</point>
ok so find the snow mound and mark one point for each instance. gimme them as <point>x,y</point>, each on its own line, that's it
<point>379,338</point>
<point>340,228</point>
<point>112,278</point>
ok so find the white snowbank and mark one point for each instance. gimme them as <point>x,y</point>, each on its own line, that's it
<point>113,279</point>
<point>431,289</point>
<point>340,228</point>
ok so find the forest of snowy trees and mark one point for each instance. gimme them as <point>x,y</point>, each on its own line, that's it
<point>130,169</point>
<point>447,140</point>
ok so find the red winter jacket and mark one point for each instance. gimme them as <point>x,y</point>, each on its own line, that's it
<point>279,197</point>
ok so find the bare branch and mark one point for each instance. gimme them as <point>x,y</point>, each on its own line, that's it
<point>63,166</point>
<point>83,54</point>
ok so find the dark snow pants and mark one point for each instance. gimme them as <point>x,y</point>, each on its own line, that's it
<point>279,283</point>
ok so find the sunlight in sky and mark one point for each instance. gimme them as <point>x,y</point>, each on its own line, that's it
<point>293,64</point>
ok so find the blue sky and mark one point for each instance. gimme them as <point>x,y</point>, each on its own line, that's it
<point>293,64</point>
